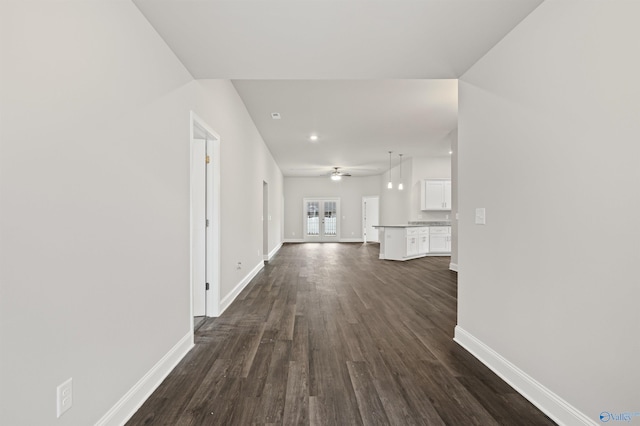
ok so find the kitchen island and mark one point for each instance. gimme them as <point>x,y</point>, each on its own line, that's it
<point>411,241</point>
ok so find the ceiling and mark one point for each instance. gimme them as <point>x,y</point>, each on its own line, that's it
<point>357,121</point>
<point>366,76</point>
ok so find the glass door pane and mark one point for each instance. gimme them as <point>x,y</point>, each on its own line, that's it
<point>313,218</point>
<point>330,219</point>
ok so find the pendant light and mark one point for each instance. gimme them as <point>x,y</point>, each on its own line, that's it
<point>389,185</point>
<point>400,186</point>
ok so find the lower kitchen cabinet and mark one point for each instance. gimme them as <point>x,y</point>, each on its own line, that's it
<point>440,239</point>
<point>410,242</point>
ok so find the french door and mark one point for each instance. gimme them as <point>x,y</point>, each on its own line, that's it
<point>321,219</point>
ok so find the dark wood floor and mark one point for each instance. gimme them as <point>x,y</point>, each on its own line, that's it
<point>329,334</point>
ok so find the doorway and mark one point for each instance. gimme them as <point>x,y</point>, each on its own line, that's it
<point>204,220</point>
<point>321,219</point>
<point>370,218</point>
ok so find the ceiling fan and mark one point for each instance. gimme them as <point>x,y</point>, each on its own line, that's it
<point>337,174</point>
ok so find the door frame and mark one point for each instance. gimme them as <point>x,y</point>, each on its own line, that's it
<point>320,238</point>
<point>197,129</point>
<point>266,220</point>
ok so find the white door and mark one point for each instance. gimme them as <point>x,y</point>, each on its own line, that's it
<point>205,218</point>
<point>199,227</point>
<point>370,218</point>
<point>321,219</point>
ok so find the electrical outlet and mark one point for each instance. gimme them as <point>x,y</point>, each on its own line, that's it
<point>293,233</point>
<point>64,396</point>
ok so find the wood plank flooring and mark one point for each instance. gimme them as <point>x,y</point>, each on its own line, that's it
<point>328,334</point>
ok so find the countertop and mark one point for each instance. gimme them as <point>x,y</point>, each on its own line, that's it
<point>398,226</point>
<point>416,224</point>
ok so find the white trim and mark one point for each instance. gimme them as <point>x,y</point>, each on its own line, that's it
<point>351,240</point>
<point>273,252</point>
<point>559,410</point>
<point>229,298</point>
<point>453,266</point>
<point>126,407</point>
<point>293,240</point>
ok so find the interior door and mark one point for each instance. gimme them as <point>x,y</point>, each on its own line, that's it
<point>370,218</point>
<point>199,227</point>
<point>321,219</point>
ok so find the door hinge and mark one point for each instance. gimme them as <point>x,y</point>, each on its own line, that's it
<point>208,159</point>
<point>206,287</point>
<point>207,223</point>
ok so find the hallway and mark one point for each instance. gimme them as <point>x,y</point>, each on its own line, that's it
<point>329,334</point>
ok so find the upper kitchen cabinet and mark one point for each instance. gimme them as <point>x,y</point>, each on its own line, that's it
<point>436,194</point>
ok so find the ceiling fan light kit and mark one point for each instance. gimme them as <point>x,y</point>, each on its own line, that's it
<point>337,175</point>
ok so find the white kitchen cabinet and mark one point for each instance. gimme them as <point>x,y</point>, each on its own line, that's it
<point>412,243</point>
<point>435,194</point>
<point>423,240</point>
<point>440,239</point>
<point>406,242</point>
<point>402,242</point>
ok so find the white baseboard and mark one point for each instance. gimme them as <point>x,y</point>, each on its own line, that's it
<point>229,298</point>
<point>273,252</point>
<point>548,402</point>
<point>293,240</point>
<point>127,406</point>
<point>453,267</point>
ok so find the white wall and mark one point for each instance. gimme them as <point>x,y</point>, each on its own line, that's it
<point>246,163</point>
<point>395,205</point>
<point>350,191</point>
<point>400,207</point>
<point>548,144</point>
<point>94,190</point>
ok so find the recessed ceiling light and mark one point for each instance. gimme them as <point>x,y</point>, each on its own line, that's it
<point>275,115</point>
<point>450,152</point>
<point>314,137</point>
